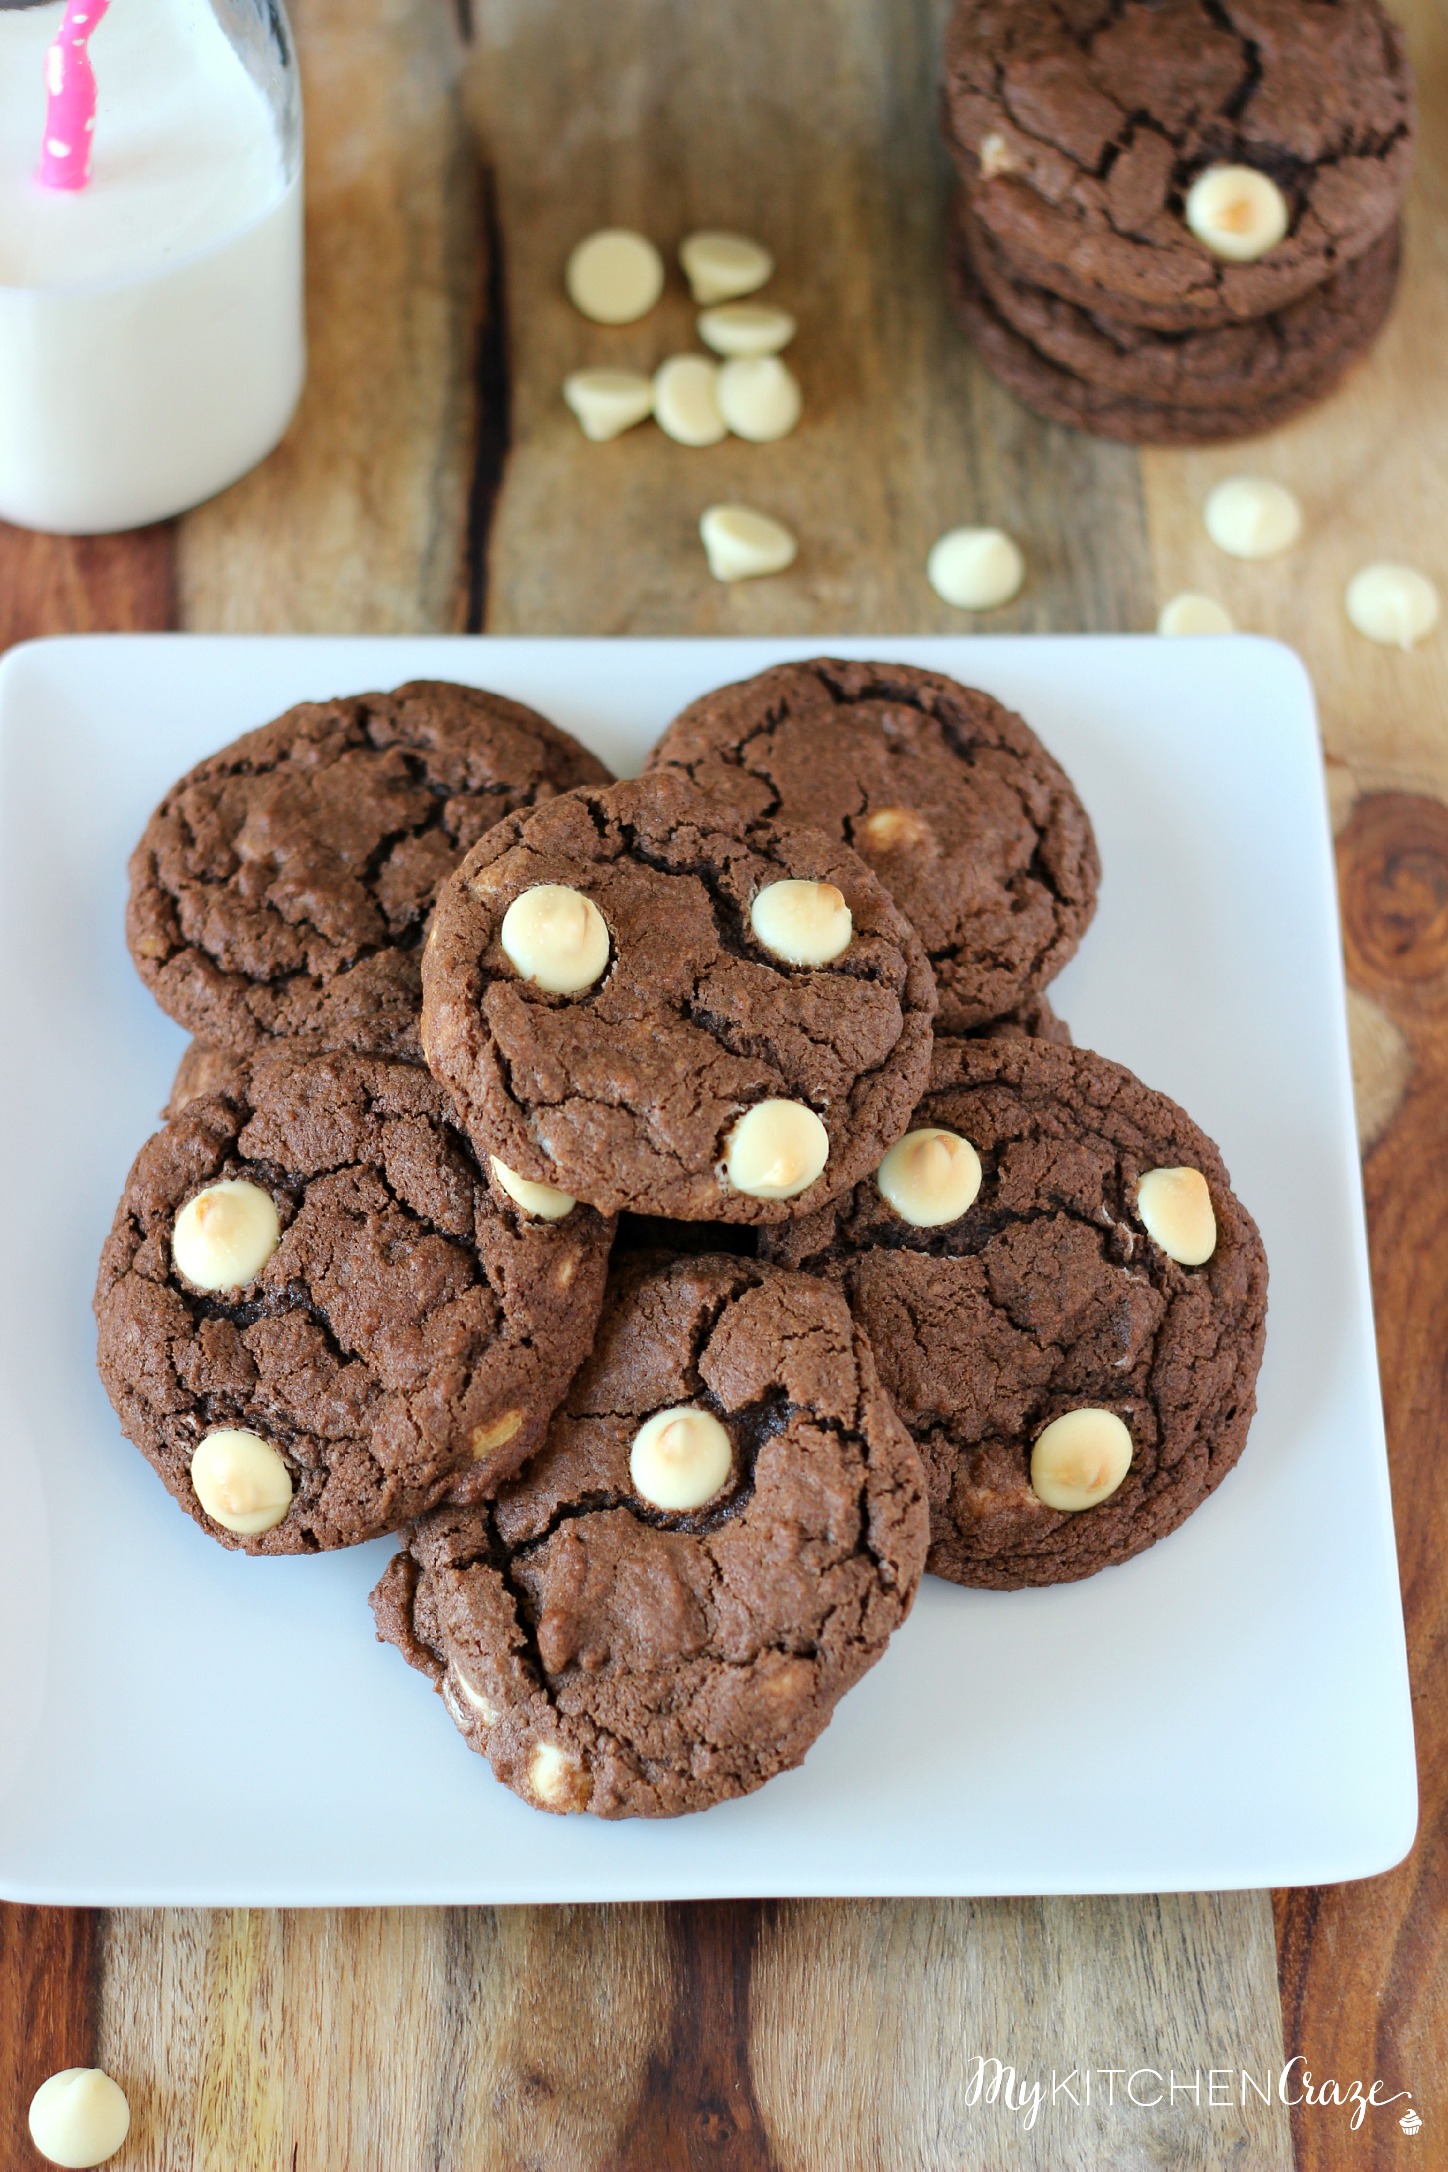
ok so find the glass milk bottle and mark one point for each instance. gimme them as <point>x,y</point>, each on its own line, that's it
<point>152,345</point>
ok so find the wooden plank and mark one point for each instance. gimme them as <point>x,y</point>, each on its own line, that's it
<point>85,584</point>
<point>357,522</point>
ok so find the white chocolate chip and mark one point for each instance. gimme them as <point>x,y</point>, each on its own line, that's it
<point>996,157</point>
<point>222,1239</point>
<point>1394,605</point>
<point>743,328</point>
<point>544,1200</point>
<point>1176,1208</point>
<point>1249,516</point>
<point>680,1459</point>
<point>495,1433</point>
<point>720,267</point>
<point>930,1177</point>
<point>1239,213</point>
<point>79,2117</point>
<point>615,276</point>
<point>776,1150</point>
<point>759,398</point>
<point>686,400</point>
<point>555,1777</point>
<point>556,937</point>
<point>805,923</point>
<point>241,1481</point>
<point>1080,1459</point>
<point>893,829</point>
<point>608,402</point>
<point>742,545</point>
<point>1192,614</point>
<point>481,1704</point>
<point>975,569</point>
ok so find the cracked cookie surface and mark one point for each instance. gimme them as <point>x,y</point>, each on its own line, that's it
<point>282,887</point>
<point>413,1331</point>
<point>626,1092</point>
<point>973,828</point>
<point>1049,1295</point>
<point>606,1655</point>
<point>1079,126</point>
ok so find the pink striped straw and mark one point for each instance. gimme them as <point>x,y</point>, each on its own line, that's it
<point>70,100</point>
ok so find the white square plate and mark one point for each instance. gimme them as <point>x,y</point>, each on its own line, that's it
<point>183,1725</point>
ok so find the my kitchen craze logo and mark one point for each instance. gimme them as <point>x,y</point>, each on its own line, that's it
<point>1217,2088</point>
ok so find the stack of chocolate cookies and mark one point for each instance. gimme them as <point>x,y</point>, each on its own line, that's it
<point>671,1204</point>
<point>1178,219</point>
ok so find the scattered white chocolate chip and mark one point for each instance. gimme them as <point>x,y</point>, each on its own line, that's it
<point>1192,614</point>
<point>555,1777</point>
<point>742,545</point>
<point>746,328</point>
<point>975,569</point>
<point>544,1200</point>
<point>79,2117</point>
<point>1239,213</point>
<point>241,1481</point>
<point>686,400</point>
<point>495,1433</point>
<point>608,402</point>
<point>1249,516</point>
<point>1080,1459</point>
<point>776,1150</point>
<point>721,267</point>
<point>996,156</point>
<point>556,937</point>
<point>1394,605</point>
<point>759,398</point>
<point>1176,1208</point>
<point>481,1704</point>
<point>893,829</point>
<point>930,1177</point>
<point>615,276</point>
<point>222,1239</point>
<point>680,1459</point>
<point>805,923</point>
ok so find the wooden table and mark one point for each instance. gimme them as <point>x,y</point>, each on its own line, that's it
<point>434,481</point>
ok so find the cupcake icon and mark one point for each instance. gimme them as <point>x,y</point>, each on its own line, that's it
<point>1410,2122</point>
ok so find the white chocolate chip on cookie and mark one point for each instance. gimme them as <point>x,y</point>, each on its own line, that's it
<point>556,1778</point>
<point>1394,605</point>
<point>996,156</point>
<point>608,402</point>
<point>556,937</point>
<point>544,1200</point>
<point>893,829</point>
<point>224,1236</point>
<point>776,1150</point>
<point>746,328</point>
<point>742,545</point>
<point>1238,212</point>
<point>930,1177</point>
<point>1250,516</point>
<point>614,276</point>
<point>241,1481</point>
<point>975,569</point>
<point>1176,1208</point>
<point>805,923</point>
<point>759,398</point>
<point>721,267</point>
<point>494,1433</point>
<point>680,1459</point>
<point>1080,1459</point>
<point>79,2117</point>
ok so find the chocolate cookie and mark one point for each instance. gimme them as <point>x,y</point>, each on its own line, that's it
<point>281,889</point>
<point>1081,126</point>
<point>316,1314</point>
<point>658,1003</point>
<point>1052,392</point>
<point>1235,366</point>
<point>975,831</point>
<point>1066,1302</point>
<point>722,1531</point>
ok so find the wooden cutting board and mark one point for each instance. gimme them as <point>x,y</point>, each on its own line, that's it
<point>434,481</point>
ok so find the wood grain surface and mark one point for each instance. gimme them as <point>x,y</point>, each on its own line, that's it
<point>434,480</point>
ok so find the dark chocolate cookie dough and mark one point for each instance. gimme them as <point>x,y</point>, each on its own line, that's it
<point>400,1325</point>
<point>974,830</point>
<point>606,1653</point>
<point>687,1068</point>
<point>1080,126</point>
<point>281,889</point>
<point>1049,1295</point>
